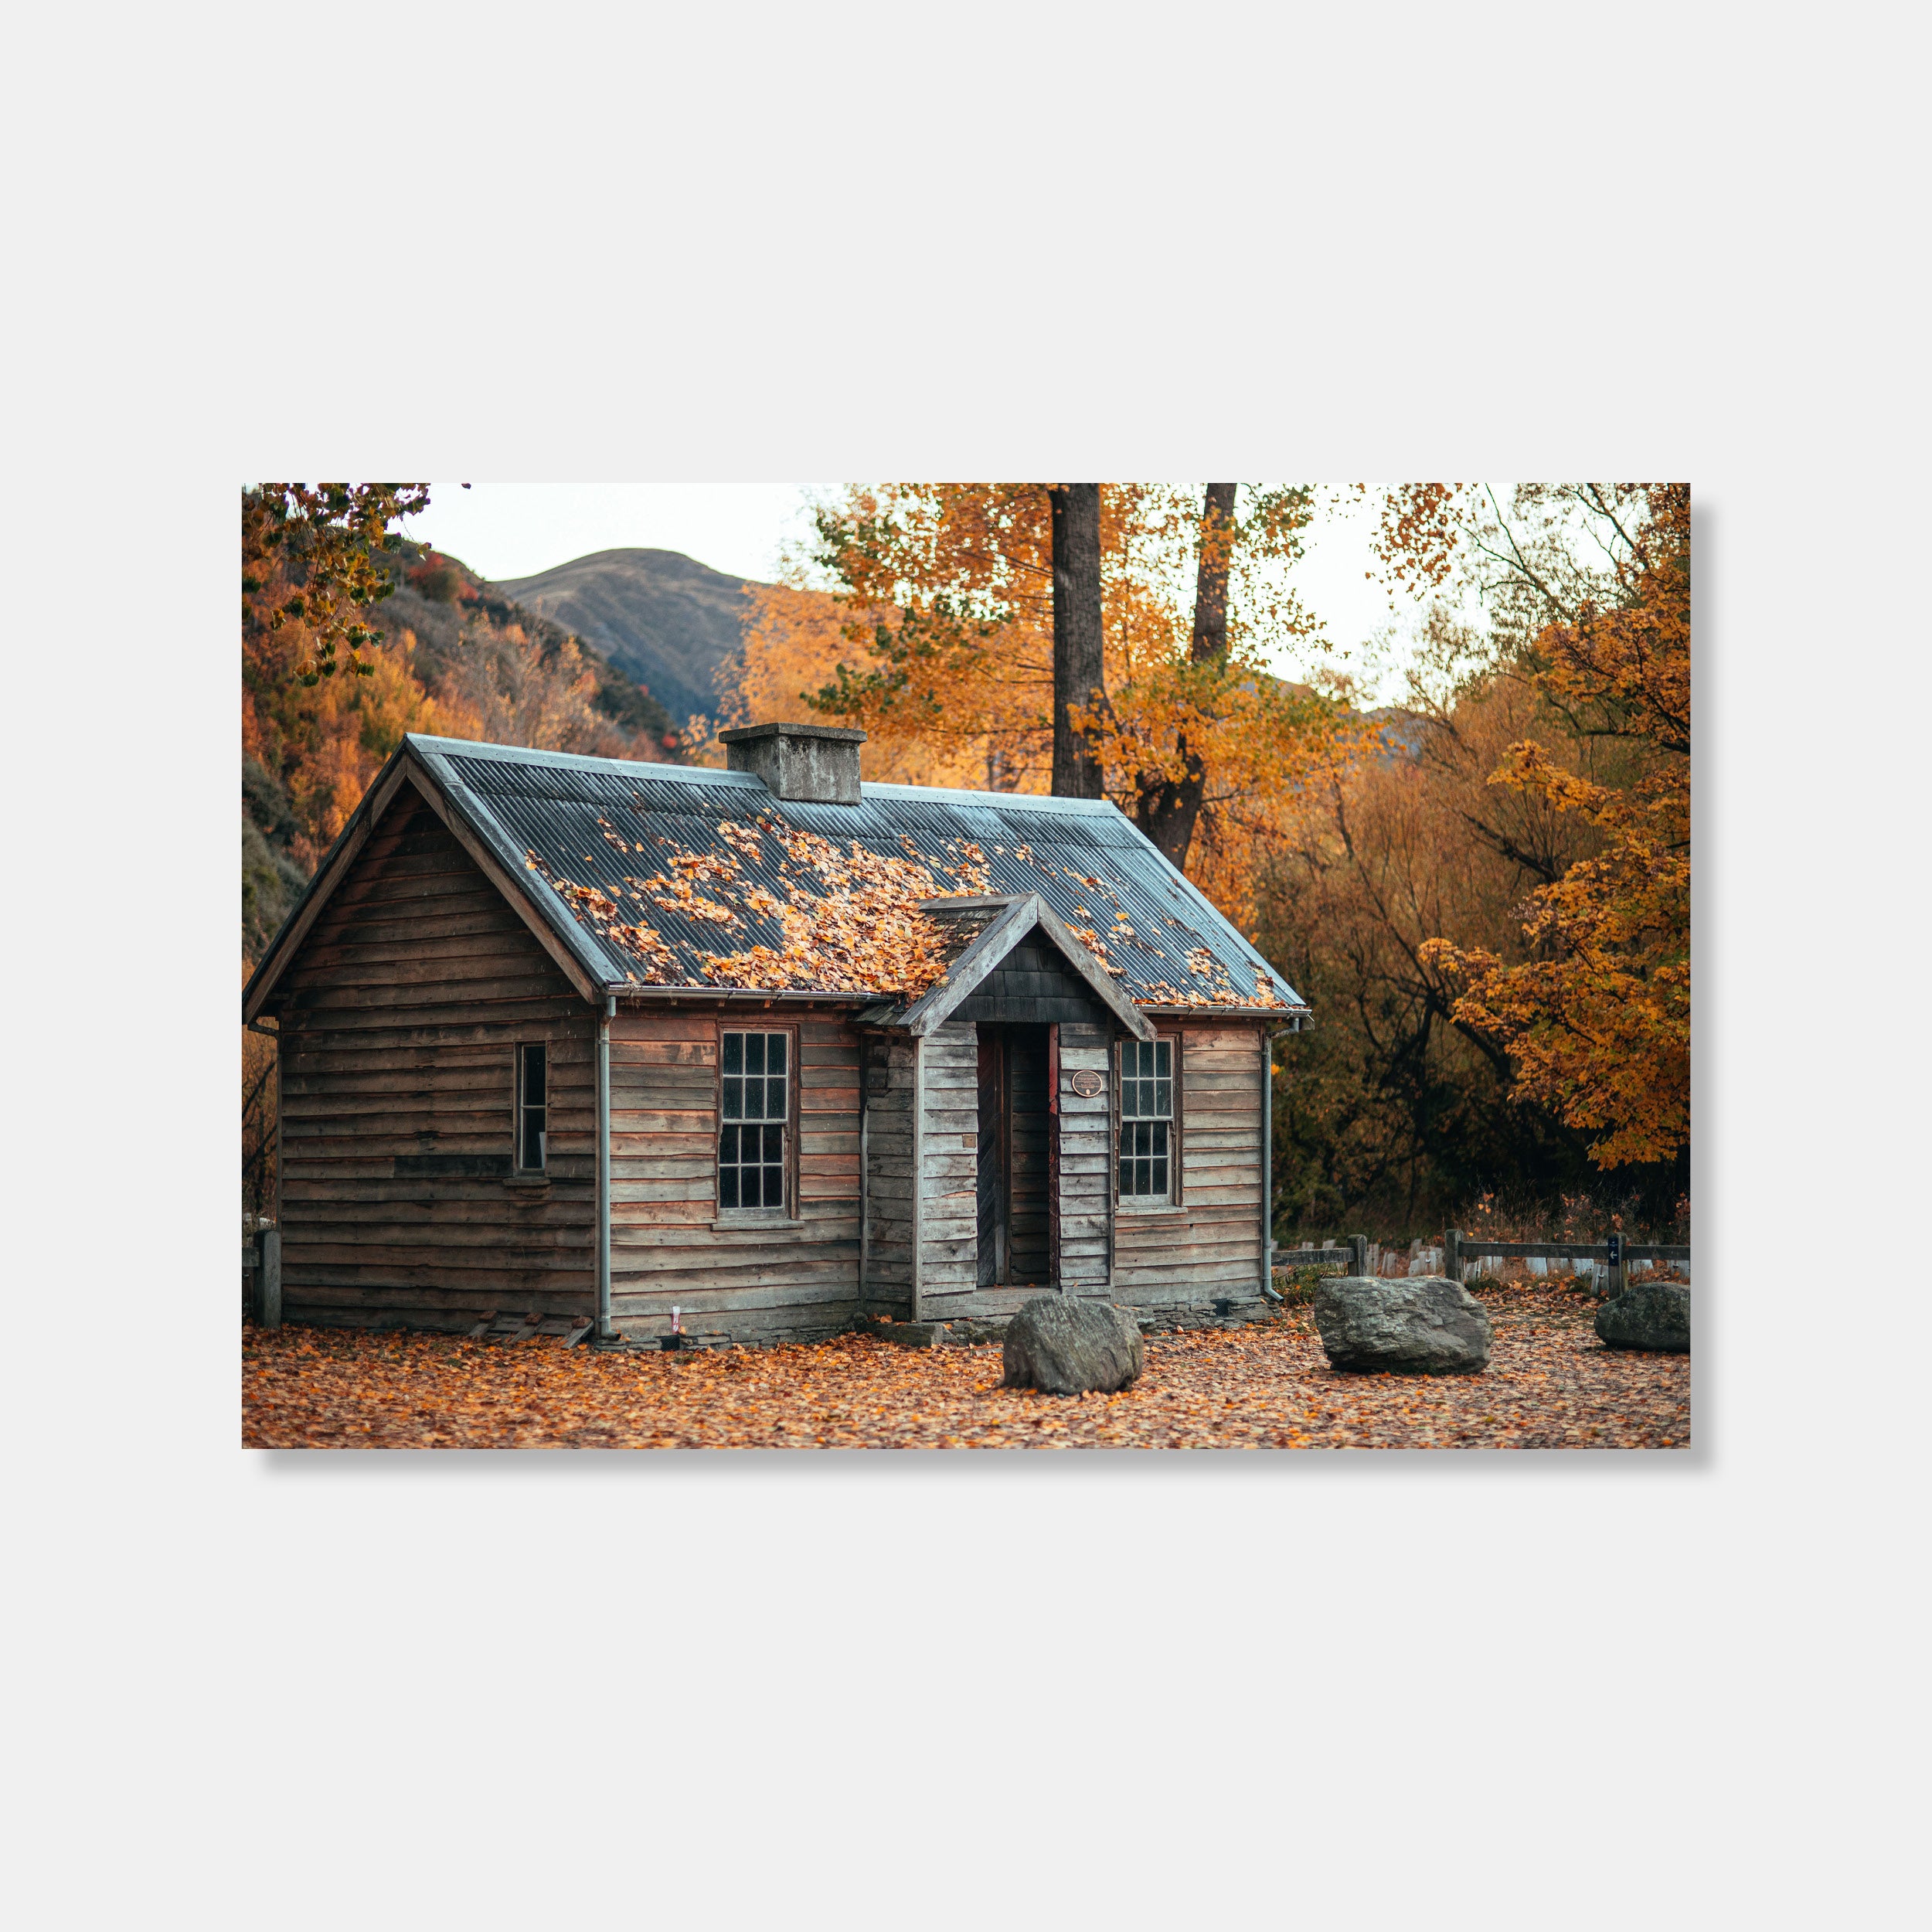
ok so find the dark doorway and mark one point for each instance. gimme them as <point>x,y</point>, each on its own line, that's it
<point>1015,1129</point>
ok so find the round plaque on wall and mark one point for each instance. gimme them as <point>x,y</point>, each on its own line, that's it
<point>1087,1083</point>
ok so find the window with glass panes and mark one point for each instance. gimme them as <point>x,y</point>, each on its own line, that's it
<point>751,1136</point>
<point>533,1107</point>
<point>1147,1120</point>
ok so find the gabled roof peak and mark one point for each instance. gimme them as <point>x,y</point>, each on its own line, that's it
<point>995,924</point>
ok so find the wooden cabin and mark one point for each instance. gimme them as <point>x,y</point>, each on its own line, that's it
<point>586,1039</point>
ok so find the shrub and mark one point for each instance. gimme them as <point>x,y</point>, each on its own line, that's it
<point>441,580</point>
<point>1297,1285</point>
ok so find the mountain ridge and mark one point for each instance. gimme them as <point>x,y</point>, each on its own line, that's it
<point>661,617</point>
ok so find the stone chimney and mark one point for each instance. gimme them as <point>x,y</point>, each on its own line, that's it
<point>818,764</point>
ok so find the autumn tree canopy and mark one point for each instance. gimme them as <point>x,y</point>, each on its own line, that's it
<point>938,641</point>
<point>317,552</point>
<point>1597,1019</point>
<point>460,661</point>
<point>1390,1112</point>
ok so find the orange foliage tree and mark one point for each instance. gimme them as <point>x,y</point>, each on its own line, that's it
<point>317,740</point>
<point>937,640</point>
<point>1391,1114</point>
<point>316,553</point>
<point>1596,1021</point>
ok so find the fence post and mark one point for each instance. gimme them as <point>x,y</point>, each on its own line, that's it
<point>1358,1254</point>
<point>268,1278</point>
<point>1614,1272</point>
<point>1452,1254</point>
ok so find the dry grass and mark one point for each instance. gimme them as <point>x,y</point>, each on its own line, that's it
<point>1583,1218</point>
<point>1551,1385</point>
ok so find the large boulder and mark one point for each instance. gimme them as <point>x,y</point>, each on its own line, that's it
<point>1653,1314</point>
<point>1426,1324</point>
<point>1066,1347</point>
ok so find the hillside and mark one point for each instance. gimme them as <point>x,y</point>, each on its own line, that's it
<point>459,657</point>
<point>442,604</point>
<point>664,618</point>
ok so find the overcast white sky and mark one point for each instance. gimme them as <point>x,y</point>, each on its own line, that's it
<point>516,529</point>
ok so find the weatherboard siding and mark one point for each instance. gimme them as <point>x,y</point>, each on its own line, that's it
<point>886,1125</point>
<point>400,1018</point>
<point>1209,1244</point>
<point>948,1169</point>
<point>1085,1168</point>
<point>788,1280</point>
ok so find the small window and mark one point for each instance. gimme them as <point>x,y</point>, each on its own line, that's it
<point>533,1108</point>
<point>1147,1120</point>
<point>757,1109</point>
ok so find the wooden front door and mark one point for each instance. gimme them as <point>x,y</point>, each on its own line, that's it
<point>993,1197</point>
<point>1015,1135</point>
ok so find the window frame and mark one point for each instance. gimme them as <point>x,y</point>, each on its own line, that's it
<point>1173,1200</point>
<point>520,1068</point>
<point>759,1217</point>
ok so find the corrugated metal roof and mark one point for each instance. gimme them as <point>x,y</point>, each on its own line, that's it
<point>588,835</point>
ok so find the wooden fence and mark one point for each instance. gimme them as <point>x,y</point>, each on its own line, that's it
<point>1357,1255</point>
<point>1463,1255</point>
<point>1350,1256</point>
<point>1459,1255</point>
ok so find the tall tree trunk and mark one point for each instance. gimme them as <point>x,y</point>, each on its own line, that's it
<point>1079,673</point>
<point>1210,639</point>
<point>1169,812</point>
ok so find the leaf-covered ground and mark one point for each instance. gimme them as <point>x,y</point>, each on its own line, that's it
<point>1551,1384</point>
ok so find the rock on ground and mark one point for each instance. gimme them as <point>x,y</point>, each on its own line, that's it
<point>1426,1324</point>
<point>1653,1314</point>
<point>1067,1347</point>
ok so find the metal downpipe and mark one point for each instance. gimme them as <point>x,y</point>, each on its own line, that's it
<point>604,1333</point>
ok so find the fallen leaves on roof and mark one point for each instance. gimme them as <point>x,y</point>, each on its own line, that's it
<point>849,922</point>
<point>588,899</point>
<point>649,947</point>
<point>1160,992</point>
<point>679,896</point>
<point>741,839</point>
<point>970,875</point>
<point>1098,946</point>
<point>846,920</point>
<point>860,931</point>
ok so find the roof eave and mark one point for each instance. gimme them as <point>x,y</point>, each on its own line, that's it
<point>638,989</point>
<point>1284,1014</point>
